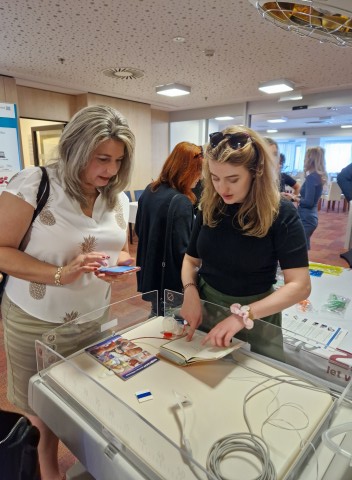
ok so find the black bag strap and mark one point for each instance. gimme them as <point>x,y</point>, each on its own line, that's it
<point>168,232</point>
<point>42,198</point>
<point>43,193</point>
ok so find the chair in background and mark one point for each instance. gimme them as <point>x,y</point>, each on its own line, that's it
<point>137,194</point>
<point>128,193</point>
<point>334,195</point>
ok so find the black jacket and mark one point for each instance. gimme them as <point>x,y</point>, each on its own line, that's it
<point>344,179</point>
<point>150,228</point>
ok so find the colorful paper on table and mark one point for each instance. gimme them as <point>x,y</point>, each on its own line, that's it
<point>328,269</point>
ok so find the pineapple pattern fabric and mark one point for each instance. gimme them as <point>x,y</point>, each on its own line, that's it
<point>60,233</point>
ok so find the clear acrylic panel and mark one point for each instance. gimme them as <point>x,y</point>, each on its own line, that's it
<point>299,400</point>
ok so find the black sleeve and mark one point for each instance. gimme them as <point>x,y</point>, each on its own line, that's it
<point>289,238</point>
<point>192,247</point>
<point>291,182</point>
<point>182,225</point>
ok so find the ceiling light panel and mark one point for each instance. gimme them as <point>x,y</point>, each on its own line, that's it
<point>173,90</point>
<point>276,86</point>
<point>277,120</point>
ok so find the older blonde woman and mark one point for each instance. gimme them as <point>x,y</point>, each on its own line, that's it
<point>54,277</point>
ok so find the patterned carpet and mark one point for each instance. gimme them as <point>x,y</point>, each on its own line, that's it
<point>327,244</point>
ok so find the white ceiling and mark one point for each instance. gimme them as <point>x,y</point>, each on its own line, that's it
<point>92,35</point>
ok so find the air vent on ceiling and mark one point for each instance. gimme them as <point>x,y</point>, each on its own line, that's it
<point>123,73</point>
<point>325,20</point>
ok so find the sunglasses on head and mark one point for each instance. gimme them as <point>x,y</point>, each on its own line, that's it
<point>235,140</point>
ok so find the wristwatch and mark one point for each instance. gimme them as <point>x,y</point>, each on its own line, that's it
<point>247,309</point>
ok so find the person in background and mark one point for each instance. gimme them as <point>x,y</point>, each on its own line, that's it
<point>284,178</point>
<point>287,180</point>
<point>179,175</point>
<point>55,276</point>
<point>242,231</point>
<point>312,188</point>
<point>344,179</point>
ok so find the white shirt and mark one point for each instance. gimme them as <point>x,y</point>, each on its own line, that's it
<point>60,233</point>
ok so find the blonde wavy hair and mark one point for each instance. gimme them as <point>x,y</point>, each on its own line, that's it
<point>314,161</point>
<point>261,206</point>
<point>87,129</point>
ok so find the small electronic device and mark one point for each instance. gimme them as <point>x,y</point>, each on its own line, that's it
<point>119,269</point>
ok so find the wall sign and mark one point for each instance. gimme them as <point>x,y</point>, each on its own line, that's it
<point>10,161</point>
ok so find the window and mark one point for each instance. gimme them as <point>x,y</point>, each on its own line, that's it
<point>294,151</point>
<point>338,153</point>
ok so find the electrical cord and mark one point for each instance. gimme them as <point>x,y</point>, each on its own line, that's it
<point>241,442</point>
<point>251,443</point>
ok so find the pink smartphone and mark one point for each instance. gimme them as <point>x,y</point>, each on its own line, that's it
<point>118,269</point>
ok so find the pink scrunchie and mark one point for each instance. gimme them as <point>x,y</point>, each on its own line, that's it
<point>247,322</point>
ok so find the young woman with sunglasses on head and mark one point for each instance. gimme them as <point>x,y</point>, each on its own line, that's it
<point>179,175</point>
<point>240,235</point>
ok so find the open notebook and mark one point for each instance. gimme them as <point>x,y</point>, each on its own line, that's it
<point>182,352</point>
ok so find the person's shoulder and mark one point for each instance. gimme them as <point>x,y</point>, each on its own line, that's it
<point>346,171</point>
<point>27,177</point>
<point>286,208</point>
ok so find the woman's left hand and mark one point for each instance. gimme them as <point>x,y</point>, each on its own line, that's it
<point>222,333</point>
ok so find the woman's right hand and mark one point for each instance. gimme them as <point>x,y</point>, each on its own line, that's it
<point>83,263</point>
<point>191,310</point>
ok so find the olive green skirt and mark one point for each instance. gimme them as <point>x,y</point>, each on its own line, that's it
<point>266,336</point>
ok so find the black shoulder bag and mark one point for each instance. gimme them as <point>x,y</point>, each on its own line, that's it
<point>18,447</point>
<point>42,198</point>
<point>168,233</point>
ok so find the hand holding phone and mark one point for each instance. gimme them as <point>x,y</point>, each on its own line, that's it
<point>118,269</point>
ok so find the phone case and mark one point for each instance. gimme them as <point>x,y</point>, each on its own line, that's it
<point>118,269</point>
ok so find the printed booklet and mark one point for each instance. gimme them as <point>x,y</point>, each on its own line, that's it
<point>182,352</point>
<point>121,356</point>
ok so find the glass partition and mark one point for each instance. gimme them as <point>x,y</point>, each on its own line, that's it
<point>273,390</point>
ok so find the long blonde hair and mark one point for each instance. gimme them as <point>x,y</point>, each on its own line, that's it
<point>314,161</point>
<point>260,208</point>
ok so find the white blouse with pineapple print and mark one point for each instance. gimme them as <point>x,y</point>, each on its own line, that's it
<point>60,233</point>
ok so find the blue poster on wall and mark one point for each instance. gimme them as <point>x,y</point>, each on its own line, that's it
<point>10,162</point>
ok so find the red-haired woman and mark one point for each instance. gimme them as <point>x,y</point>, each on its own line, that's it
<point>179,174</point>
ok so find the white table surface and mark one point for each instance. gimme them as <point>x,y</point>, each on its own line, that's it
<point>332,364</point>
<point>222,385</point>
<point>322,287</point>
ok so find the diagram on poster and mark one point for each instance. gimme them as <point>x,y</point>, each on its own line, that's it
<point>9,144</point>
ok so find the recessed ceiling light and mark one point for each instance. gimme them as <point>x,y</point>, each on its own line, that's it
<point>276,86</point>
<point>272,131</point>
<point>291,96</point>
<point>277,120</point>
<point>223,118</point>
<point>346,126</point>
<point>173,90</point>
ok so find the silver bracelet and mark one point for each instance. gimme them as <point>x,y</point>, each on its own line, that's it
<point>57,277</point>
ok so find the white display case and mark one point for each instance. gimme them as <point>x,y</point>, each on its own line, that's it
<point>246,395</point>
